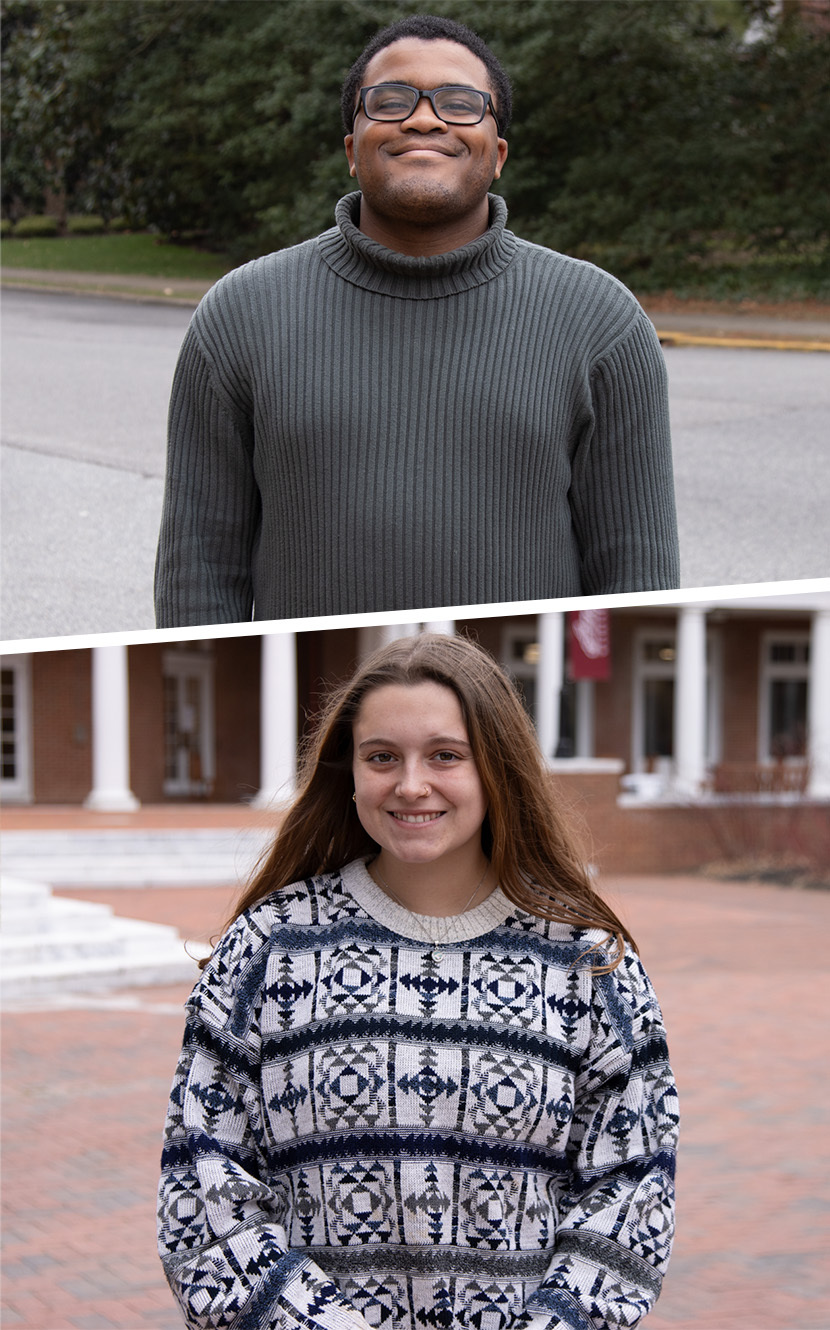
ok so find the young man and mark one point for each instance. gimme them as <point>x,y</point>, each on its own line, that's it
<point>416,409</point>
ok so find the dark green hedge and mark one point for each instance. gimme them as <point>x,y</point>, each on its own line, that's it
<point>678,142</point>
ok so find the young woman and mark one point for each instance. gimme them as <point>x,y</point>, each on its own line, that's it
<point>424,1080</point>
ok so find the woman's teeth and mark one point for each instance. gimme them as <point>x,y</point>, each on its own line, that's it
<point>416,817</point>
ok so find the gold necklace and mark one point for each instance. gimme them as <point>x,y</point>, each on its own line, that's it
<point>419,919</point>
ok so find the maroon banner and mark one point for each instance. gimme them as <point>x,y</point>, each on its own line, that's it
<point>590,644</point>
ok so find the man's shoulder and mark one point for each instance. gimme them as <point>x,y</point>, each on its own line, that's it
<point>259,276</point>
<point>577,272</point>
<point>597,309</point>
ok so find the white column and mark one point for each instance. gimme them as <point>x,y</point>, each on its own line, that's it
<point>445,626</point>
<point>390,632</point>
<point>110,732</point>
<point>690,701</point>
<point>584,718</point>
<point>551,628</point>
<point>818,704</point>
<point>278,719</point>
<point>373,637</point>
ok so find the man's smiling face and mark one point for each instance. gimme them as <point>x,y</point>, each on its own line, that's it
<point>422,172</point>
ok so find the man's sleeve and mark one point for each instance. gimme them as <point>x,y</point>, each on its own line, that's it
<point>221,1218</point>
<point>622,490</point>
<point>211,514</point>
<point>616,1220</point>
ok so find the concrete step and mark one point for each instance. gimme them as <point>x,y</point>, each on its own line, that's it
<point>51,945</point>
<point>133,858</point>
<point>124,937</point>
<point>46,915</point>
<point>23,984</point>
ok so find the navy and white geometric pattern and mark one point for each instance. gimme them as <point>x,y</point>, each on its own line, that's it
<point>369,1130</point>
<point>381,1301</point>
<point>488,1209</point>
<point>507,989</point>
<point>352,978</point>
<point>362,1201</point>
<point>492,1305</point>
<point>351,1085</point>
<point>509,1097</point>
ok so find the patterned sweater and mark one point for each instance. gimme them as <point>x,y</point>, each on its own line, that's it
<point>355,430</point>
<point>367,1129</point>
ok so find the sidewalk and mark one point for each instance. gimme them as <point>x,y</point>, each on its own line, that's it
<point>177,291</point>
<point>742,974</point>
<point>699,324</point>
<point>147,817</point>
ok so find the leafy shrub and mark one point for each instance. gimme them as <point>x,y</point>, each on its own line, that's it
<point>5,227</point>
<point>36,226</point>
<point>641,130</point>
<point>86,225</point>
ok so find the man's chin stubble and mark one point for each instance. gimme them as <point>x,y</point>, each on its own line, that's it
<point>422,206</point>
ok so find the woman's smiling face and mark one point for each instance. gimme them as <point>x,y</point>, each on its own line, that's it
<point>417,788</point>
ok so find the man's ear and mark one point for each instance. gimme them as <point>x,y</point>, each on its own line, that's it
<point>501,156</point>
<point>348,144</point>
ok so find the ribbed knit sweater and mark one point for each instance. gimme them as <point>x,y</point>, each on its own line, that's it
<point>352,429</point>
<point>370,1128</point>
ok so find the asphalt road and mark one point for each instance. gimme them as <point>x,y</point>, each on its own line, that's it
<point>86,382</point>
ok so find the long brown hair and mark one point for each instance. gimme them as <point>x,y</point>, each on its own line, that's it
<point>533,851</point>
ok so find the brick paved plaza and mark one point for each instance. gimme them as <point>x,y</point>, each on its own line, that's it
<point>742,972</point>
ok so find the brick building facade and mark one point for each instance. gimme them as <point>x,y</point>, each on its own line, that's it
<point>751,777</point>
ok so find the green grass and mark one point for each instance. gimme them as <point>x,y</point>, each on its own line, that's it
<point>773,277</point>
<point>763,282</point>
<point>729,272</point>
<point>140,255</point>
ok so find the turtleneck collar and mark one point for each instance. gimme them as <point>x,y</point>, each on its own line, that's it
<point>365,262</point>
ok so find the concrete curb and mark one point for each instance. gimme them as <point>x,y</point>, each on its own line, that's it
<point>771,336</point>
<point>675,338</point>
<point>164,295</point>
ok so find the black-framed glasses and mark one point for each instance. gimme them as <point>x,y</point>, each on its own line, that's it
<point>455,105</point>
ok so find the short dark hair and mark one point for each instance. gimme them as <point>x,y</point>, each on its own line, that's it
<point>430,28</point>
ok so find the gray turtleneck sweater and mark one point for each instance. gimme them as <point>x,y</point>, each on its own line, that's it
<point>357,430</point>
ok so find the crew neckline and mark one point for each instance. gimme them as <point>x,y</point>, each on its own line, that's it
<point>425,929</point>
<point>368,264</point>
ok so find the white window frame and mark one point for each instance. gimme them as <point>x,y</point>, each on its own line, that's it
<point>714,695</point>
<point>523,671</point>
<point>19,789</point>
<point>770,671</point>
<point>642,671</point>
<point>657,669</point>
<point>199,665</point>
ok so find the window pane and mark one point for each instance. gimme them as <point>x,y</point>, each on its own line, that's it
<point>789,653</point>
<point>170,727</point>
<point>524,650</point>
<point>8,720</point>
<point>527,692</point>
<point>567,720</point>
<point>658,697</point>
<point>654,649</point>
<point>788,717</point>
